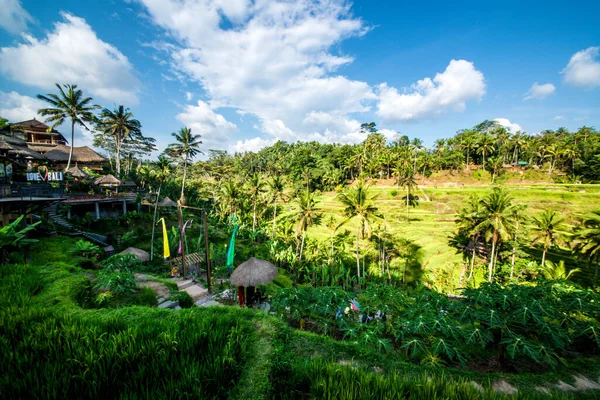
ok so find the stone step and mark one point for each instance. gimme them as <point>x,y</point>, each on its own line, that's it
<point>196,292</point>
<point>205,299</point>
<point>184,284</point>
<point>168,304</point>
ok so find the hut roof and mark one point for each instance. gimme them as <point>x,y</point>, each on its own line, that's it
<point>80,154</point>
<point>253,272</point>
<point>37,125</point>
<point>128,183</point>
<point>14,146</point>
<point>167,202</point>
<point>107,180</point>
<point>139,253</point>
<point>76,172</point>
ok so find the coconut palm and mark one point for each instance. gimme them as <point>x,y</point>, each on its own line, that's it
<point>69,104</point>
<point>277,192</point>
<point>469,219</point>
<point>359,205</point>
<point>120,125</point>
<point>468,143</point>
<point>230,195</point>
<point>186,147</point>
<point>256,186</point>
<point>558,271</point>
<point>409,182</point>
<point>307,215</point>
<point>547,230</point>
<point>497,222</point>
<point>485,146</point>
<point>586,237</point>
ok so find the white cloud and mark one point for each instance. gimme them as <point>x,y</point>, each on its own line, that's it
<point>584,68</point>
<point>253,145</point>
<point>558,118</point>
<point>540,91</point>
<point>213,127</point>
<point>428,97</point>
<point>510,126</point>
<point>188,96</point>
<point>16,108</point>
<point>72,53</point>
<point>271,59</point>
<point>13,17</point>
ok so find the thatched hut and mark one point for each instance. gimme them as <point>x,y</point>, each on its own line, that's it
<point>142,255</point>
<point>250,274</point>
<point>59,155</point>
<point>167,202</point>
<point>107,180</point>
<point>75,172</point>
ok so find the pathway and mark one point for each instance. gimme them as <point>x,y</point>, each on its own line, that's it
<point>100,240</point>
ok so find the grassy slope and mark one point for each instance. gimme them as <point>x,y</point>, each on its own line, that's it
<point>433,222</point>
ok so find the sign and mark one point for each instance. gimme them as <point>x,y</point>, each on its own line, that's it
<point>44,176</point>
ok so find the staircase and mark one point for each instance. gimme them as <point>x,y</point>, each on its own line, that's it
<point>100,240</point>
<point>193,288</point>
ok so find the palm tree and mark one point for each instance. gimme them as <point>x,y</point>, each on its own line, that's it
<point>276,190</point>
<point>485,145</point>
<point>558,271</point>
<point>231,196</point>
<point>409,182</point>
<point>162,169</point>
<point>587,237</point>
<point>257,187</point>
<point>468,143</point>
<point>119,124</point>
<point>497,222</point>
<point>469,219</point>
<point>547,227</point>
<point>307,215</point>
<point>359,205</point>
<point>68,105</point>
<point>187,147</point>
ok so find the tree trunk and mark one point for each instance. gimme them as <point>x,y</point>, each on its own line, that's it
<point>357,258</point>
<point>407,199</point>
<point>544,256</point>
<point>183,181</point>
<point>491,265</point>
<point>254,217</point>
<point>154,222</point>
<point>274,217</point>
<point>468,168</point>
<point>72,142</point>
<point>118,157</point>
<point>302,245</point>
<point>472,263</point>
<point>484,160</point>
<point>512,262</point>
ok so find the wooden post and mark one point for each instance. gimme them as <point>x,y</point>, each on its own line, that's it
<point>182,241</point>
<point>208,272</point>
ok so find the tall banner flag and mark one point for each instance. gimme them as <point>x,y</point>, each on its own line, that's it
<point>167,251</point>
<point>183,234</point>
<point>231,250</point>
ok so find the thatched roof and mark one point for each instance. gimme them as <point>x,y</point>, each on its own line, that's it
<point>128,183</point>
<point>36,126</point>
<point>167,202</point>
<point>253,272</point>
<point>75,172</point>
<point>80,154</point>
<point>139,253</point>
<point>18,147</point>
<point>107,180</point>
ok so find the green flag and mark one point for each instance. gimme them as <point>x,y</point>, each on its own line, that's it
<point>231,250</point>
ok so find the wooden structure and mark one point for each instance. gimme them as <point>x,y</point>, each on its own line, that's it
<point>59,156</point>
<point>250,274</point>
<point>37,134</point>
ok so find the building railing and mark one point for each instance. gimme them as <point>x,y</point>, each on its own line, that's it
<point>25,192</point>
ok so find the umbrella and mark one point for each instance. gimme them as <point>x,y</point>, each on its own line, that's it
<point>167,202</point>
<point>75,172</point>
<point>139,253</point>
<point>253,272</point>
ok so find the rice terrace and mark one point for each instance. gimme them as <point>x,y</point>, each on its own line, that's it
<point>299,199</point>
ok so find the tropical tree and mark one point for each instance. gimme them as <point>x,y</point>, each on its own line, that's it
<point>468,143</point>
<point>586,237</point>
<point>161,169</point>
<point>469,220</point>
<point>12,238</point>
<point>485,146</point>
<point>359,205</point>
<point>558,271</point>
<point>256,186</point>
<point>277,192</point>
<point>307,215</point>
<point>68,104</point>
<point>547,230</point>
<point>120,125</point>
<point>497,222</point>
<point>409,182</point>
<point>186,147</point>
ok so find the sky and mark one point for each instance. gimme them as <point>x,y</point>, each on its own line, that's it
<point>245,73</point>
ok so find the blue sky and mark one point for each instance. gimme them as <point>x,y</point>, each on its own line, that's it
<point>246,73</point>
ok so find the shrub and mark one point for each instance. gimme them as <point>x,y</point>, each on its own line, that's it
<point>85,249</point>
<point>185,300</point>
<point>146,297</point>
<point>393,193</point>
<point>121,261</point>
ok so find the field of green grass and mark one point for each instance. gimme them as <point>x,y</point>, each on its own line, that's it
<point>433,222</point>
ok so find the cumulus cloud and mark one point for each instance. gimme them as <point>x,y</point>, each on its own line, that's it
<point>270,59</point>
<point>13,17</point>
<point>213,127</point>
<point>188,96</point>
<point>540,91</point>
<point>72,53</point>
<point>16,108</point>
<point>449,90</point>
<point>558,118</point>
<point>510,126</point>
<point>584,68</point>
<point>252,145</point>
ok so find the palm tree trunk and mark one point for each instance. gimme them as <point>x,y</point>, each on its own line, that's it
<point>544,256</point>
<point>72,142</point>
<point>254,217</point>
<point>491,265</point>
<point>472,263</point>
<point>357,258</point>
<point>154,222</point>
<point>484,160</point>
<point>512,262</point>
<point>274,216</point>
<point>118,157</point>
<point>183,181</point>
<point>407,199</point>
<point>468,168</point>
<point>302,245</point>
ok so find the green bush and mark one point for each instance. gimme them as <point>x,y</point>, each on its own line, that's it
<point>146,297</point>
<point>185,300</point>
<point>393,193</point>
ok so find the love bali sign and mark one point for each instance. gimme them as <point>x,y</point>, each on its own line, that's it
<point>43,175</point>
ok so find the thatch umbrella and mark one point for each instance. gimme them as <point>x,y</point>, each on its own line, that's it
<point>107,180</point>
<point>139,253</point>
<point>252,273</point>
<point>75,172</point>
<point>167,202</point>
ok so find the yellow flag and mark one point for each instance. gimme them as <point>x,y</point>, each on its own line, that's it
<point>167,251</point>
